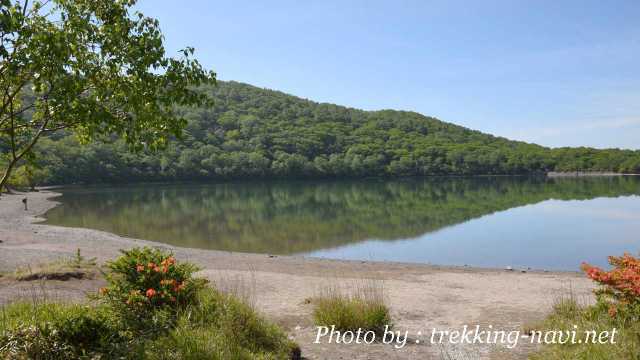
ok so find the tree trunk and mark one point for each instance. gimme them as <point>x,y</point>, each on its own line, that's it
<point>5,177</point>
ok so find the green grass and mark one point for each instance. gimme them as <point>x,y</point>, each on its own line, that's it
<point>58,331</point>
<point>220,326</point>
<point>568,312</point>
<point>216,326</point>
<point>363,309</point>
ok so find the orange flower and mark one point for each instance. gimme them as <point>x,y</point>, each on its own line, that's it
<point>613,311</point>
<point>151,293</point>
<point>151,265</point>
<point>169,261</point>
<point>103,291</point>
<point>139,268</point>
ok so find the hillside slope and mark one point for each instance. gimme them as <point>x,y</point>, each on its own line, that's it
<point>252,133</point>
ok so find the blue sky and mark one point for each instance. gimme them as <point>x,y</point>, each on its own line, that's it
<point>552,72</point>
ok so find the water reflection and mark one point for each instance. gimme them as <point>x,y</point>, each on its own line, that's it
<point>314,217</point>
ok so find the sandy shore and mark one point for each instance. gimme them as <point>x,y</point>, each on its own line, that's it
<point>421,297</point>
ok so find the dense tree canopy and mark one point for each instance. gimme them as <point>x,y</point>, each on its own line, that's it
<point>256,133</point>
<point>93,68</point>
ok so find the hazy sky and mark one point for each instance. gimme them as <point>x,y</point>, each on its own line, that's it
<point>551,72</point>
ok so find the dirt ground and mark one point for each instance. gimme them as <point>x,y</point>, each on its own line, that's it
<point>421,297</point>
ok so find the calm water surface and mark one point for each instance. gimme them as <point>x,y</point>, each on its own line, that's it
<point>488,222</point>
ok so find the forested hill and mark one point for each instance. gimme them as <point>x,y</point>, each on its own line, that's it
<point>252,132</point>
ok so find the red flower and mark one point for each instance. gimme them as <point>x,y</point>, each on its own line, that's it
<point>151,293</point>
<point>139,268</point>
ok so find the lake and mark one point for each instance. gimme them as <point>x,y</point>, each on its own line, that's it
<point>539,223</point>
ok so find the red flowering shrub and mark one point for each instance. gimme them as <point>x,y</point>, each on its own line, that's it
<point>144,278</point>
<point>620,286</point>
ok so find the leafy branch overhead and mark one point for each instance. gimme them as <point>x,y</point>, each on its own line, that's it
<point>92,66</point>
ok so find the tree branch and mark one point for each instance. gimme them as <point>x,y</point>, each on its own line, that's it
<point>12,134</point>
<point>34,140</point>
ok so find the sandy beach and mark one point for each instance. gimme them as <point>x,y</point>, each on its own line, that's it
<point>421,297</point>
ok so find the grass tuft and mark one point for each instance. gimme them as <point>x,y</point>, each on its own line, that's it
<point>364,308</point>
<point>220,326</point>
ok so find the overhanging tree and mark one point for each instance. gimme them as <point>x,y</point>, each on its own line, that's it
<point>94,67</point>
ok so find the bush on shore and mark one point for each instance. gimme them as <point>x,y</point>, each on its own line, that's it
<point>152,308</point>
<point>617,306</point>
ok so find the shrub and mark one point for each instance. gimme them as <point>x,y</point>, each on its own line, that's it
<point>617,306</point>
<point>620,287</point>
<point>146,278</point>
<point>364,310</point>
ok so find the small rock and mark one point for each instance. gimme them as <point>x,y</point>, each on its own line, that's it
<point>508,268</point>
<point>272,256</point>
<point>523,270</point>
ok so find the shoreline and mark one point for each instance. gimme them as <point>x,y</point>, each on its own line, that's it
<point>548,175</point>
<point>419,295</point>
<point>577,174</point>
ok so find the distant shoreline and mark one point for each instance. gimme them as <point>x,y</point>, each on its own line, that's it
<point>553,174</point>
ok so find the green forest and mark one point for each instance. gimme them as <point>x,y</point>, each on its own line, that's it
<point>249,132</point>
